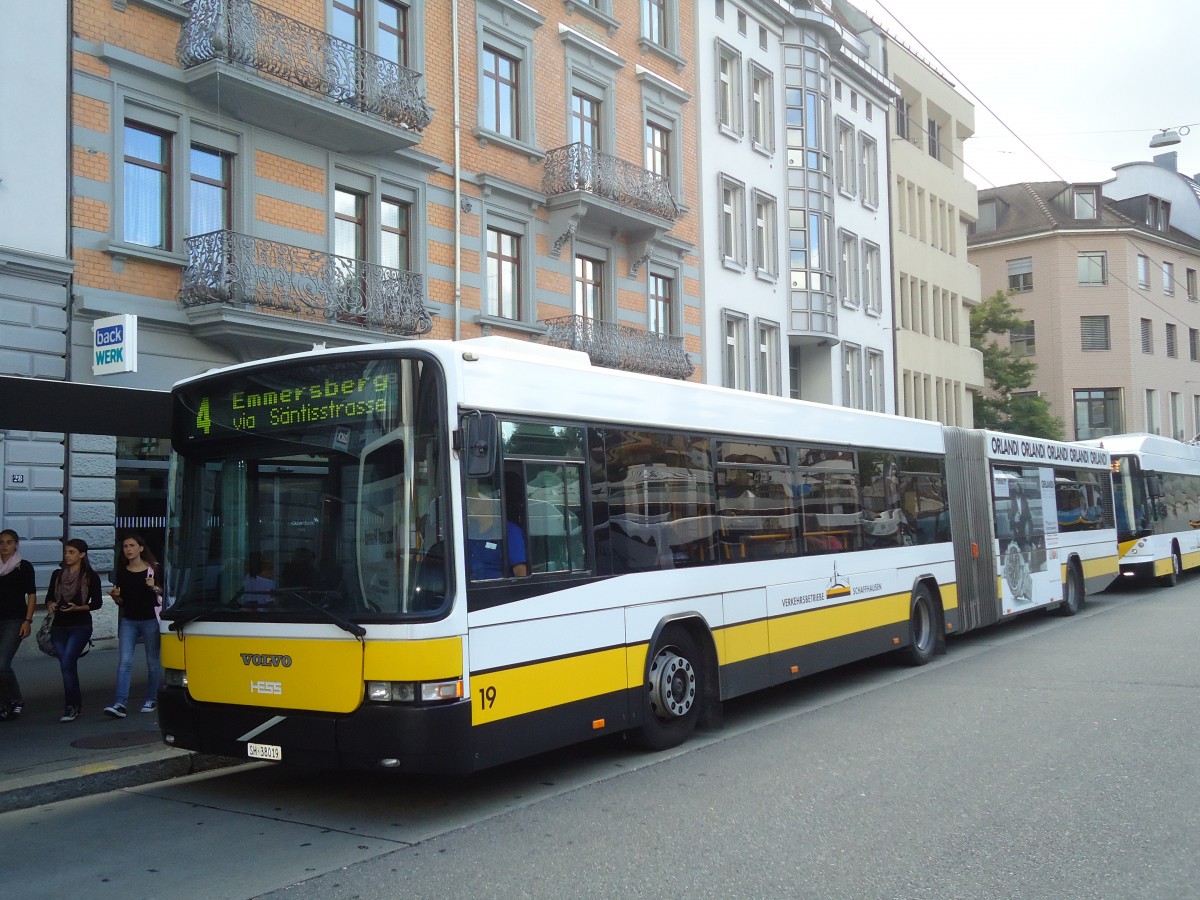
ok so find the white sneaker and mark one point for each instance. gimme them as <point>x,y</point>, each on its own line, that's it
<point>70,714</point>
<point>117,710</point>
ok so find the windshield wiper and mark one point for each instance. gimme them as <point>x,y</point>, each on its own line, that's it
<point>340,621</point>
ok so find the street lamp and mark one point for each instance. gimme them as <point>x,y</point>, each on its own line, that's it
<point>1169,137</point>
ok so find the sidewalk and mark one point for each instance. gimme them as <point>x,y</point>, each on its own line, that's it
<point>43,760</point>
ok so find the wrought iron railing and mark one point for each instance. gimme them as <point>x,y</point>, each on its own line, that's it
<point>617,346</point>
<point>577,167</point>
<point>243,32</point>
<point>225,267</point>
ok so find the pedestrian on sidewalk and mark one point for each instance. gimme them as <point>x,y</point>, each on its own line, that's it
<point>18,598</point>
<point>137,590</point>
<point>73,593</point>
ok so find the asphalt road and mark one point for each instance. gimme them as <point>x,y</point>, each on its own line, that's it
<point>1046,758</point>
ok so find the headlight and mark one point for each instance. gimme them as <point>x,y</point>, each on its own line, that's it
<point>410,692</point>
<point>175,678</point>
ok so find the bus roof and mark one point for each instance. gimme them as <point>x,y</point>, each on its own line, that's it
<point>1157,453</point>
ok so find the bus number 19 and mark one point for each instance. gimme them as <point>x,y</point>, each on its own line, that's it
<point>487,697</point>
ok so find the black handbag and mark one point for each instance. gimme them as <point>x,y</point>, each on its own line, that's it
<point>44,641</point>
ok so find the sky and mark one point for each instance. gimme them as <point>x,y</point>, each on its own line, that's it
<point>1063,89</point>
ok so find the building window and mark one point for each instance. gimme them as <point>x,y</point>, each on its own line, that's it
<point>935,139</point>
<point>1158,214</point>
<point>1194,344</point>
<point>1094,332</point>
<point>848,268</point>
<point>846,163</point>
<point>658,150</point>
<point>589,287</point>
<point>1172,347</point>
<point>394,234</point>
<point>147,176</point>
<point>349,224</point>
<point>735,362</point>
<point>1020,274</point>
<point>1147,336</point>
<point>852,376</point>
<point>1191,285</point>
<point>503,274</point>
<point>1153,422</point>
<point>1169,279</point>
<point>662,293</point>
<point>870,172</point>
<point>1086,206</point>
<point>654,21</point>
<point>765,253</point>
<point>762,105</point>
<point>733,230</point>
<point>1093,268</point>
<point>1177,416</point>
<point>767,359</point>
<point>729,89</point>
<point>392,39</point>
<point>872,277</point>
<point>585,120</point>
<point>1022,341</point>
<point>210,208</point>
<point>1143,271</point>
<point>501,109</point>
<point>1097,413</point>
<point>877,385</point>
<point>904,129</point>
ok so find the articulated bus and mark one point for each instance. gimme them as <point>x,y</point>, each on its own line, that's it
<point>1157,486</point>
<point>432,556</point>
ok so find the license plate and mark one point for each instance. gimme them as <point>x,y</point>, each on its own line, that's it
<point>264,751</point>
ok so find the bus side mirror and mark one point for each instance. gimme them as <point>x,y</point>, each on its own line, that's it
<point>1154,487</point>
<point>479,445</point>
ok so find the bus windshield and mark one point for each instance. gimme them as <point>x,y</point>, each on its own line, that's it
<point>314,492</point>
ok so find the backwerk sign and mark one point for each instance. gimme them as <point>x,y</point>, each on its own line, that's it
<point>114,345</point>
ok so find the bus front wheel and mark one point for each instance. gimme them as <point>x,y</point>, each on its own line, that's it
<point>922,628</point>
<point>1172,577</point>
<point>673,691</point>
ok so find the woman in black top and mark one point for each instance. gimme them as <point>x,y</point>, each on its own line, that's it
<point>137,590</point>
<point>73,593</point>
<point>18,597</point>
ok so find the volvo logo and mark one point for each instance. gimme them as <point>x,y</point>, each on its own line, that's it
<point>267,660</point>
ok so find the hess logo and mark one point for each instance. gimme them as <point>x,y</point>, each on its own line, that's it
<point>266,687</point>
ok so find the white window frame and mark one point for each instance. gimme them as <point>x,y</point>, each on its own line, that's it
<point>1168,270</point>
<point>731,229</point>
<point>729,89</point>
<point>735,368</point>
<point>766,230</point>
<point>762,109</point>
<point>852,375</point>
<point>848,276</point>
<point>844,152</point>
<point>876,380</point>
<point>1020,274</point>
<point>1143,271</point>
<point>872,278</point>
<point>869,155</point>
<point>1090,259</point>
<point>768,379</point>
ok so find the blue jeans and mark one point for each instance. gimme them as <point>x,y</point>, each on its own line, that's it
<point>69,644</point>
<point>129,632</point>
<point>10,640</point>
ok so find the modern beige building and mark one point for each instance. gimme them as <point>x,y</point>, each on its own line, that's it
<point>934,286</point>
<point>1106,276</point>
<point>937,370</point>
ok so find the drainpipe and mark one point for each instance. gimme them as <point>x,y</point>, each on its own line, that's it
<point>457,175</point>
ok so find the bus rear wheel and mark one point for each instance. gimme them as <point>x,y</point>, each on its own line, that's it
<point>922,628</point>
<point>1073,593</point>
<point>673,692</point>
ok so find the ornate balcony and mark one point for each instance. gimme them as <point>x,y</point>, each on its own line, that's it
<point>230,275</point>
<point>607,191</point>
<point>242,56</point>
<point>620,346</point>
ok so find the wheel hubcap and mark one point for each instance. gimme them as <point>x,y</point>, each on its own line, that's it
<point>672,686</point>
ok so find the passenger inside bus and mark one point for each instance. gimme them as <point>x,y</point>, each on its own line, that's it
<point>259,584</point>
<point>491,537</point>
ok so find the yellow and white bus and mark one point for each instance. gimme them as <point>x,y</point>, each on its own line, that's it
<point>1157,485</point>
<point>434,556</point>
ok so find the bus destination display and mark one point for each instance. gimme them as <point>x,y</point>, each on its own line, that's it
<point>285,400</point>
